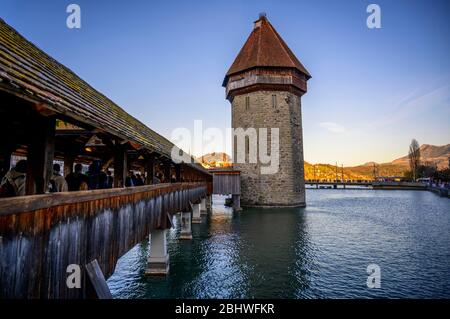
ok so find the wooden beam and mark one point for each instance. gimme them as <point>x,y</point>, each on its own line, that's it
<point>20,204</point>
<point>178,172</point>
<point>167,172</point>
<point>43,109</point>
<point>40,153</point>
<point>68,164</point>
<point>5,163</point>
<point>120,166</point>
<point>150,169</point>
<point>97,281</point>
<point>107,163</point>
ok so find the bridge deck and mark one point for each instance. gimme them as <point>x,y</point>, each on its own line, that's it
<point>43,234</point>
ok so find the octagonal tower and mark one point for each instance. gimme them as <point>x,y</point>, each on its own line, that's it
<point>264,85</point>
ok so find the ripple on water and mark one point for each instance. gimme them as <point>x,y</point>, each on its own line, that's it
<point>321,251</point>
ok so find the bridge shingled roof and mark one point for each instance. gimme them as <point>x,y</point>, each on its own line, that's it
<point>37,75</point>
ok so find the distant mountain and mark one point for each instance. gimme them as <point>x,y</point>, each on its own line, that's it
<point>430,154</point>
<point>383,169</point>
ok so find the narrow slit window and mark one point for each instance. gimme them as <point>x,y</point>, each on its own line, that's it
<point>247,147</point>
<point>247,102</point>
<point>274,101</point>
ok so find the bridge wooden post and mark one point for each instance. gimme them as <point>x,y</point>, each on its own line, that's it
<point>150,169</point>
<point>120,167</point>
<point>186,229</point>
<point>97,287</point>
<point>167,172</point>
<point>158,261</point>
<point>5,162</point>
<point>40,154</point>
<point>178,172</point>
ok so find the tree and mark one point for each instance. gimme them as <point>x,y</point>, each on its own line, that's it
<point>443,175</point>
<point>414,158</point>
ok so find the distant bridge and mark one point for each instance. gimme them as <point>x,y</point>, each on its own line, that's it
<point>338,183</point>
<point>373,184</point>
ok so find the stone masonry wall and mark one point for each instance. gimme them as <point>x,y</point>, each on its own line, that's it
<point>286,187</point>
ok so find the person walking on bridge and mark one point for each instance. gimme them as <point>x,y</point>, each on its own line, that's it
<point>77,180</point>
<point>13,183</point>
<point>156,179</point>
<point>58,182</point>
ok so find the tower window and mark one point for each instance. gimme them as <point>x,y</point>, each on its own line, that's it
<point>274,101</point>
<point>247,102</point>
<point>247,147</point>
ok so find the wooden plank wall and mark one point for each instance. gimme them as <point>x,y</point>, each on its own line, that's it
<point>224,183</point>
<point>37,245</point>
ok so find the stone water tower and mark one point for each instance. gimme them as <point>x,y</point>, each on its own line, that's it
<point>264,85</point>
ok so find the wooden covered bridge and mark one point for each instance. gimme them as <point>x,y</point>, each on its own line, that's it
<point>48,113</point>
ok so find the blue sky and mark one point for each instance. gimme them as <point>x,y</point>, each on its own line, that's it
<point>372,90</point>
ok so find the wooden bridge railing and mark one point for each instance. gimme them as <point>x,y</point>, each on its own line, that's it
<point>41,235</point>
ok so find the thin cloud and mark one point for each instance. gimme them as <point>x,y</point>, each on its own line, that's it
<point>332,127</point>
<point>414,104</point>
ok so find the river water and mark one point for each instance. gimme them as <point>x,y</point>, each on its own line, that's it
<point>321,251</point>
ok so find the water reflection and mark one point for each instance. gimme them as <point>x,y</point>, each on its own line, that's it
<point>321,251</point>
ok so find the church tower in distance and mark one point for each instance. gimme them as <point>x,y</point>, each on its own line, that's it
<point>264,85</point>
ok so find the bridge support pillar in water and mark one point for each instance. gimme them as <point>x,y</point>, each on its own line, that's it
<point>209,204</point>
<point>186,231</point>
<point>158,261</point>
<point>196,217</point>
<point>236,202</point>
<point>203,206</point>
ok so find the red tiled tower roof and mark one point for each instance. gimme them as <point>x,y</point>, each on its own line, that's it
<point>265,48</point>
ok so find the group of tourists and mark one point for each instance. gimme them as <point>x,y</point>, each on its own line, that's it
<point>95,178</point>
<point>14,181</point>
<point>440,184</point>
<point>138,180</point>
<point>134,180</point>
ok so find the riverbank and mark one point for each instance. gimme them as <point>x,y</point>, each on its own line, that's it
<point>399,185</point>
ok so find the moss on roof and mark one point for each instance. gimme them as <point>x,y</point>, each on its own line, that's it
<point>38,75</point>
